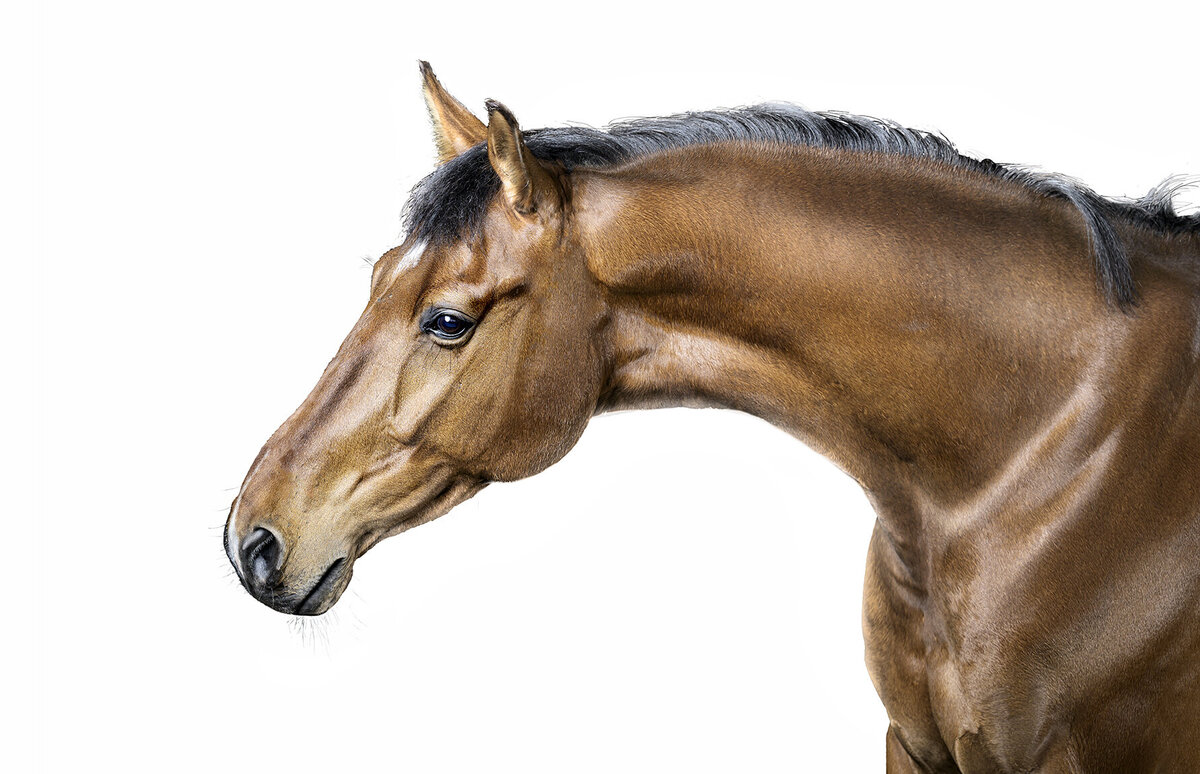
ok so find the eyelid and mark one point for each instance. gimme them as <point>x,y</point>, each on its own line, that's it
<point>433,313</point>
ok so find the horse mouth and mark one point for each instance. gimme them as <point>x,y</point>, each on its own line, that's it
<point>319,597</point>
<point>328,588</point>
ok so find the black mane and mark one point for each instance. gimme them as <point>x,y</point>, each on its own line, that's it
<point>449,203</point>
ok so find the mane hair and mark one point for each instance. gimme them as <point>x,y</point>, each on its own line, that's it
<point>450,202</point>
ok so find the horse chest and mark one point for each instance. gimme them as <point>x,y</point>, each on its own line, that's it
<point>1031,661</point>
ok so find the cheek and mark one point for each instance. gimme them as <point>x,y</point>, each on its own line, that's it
<point>509,403</point>
<point>545,406</point>
<point>458,405</point>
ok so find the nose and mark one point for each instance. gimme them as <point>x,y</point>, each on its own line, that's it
<point>262,553</point>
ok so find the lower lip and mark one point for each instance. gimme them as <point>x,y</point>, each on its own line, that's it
<point>313,601</point>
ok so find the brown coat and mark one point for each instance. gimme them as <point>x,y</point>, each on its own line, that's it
<point>1032,598</point>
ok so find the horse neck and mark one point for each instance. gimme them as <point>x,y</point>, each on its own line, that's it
<point>919,326</point>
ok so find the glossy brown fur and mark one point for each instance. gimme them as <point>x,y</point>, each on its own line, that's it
<point>1032,595</point>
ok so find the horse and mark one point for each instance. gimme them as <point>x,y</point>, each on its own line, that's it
<point>1005,361</point>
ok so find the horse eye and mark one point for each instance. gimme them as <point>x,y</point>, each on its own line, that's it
<point>447,325</point>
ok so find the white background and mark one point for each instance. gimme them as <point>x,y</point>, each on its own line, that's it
<point>681,593</point>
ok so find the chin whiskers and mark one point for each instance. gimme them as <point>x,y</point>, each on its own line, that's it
<point>313,631</point>
<point>322,633</point>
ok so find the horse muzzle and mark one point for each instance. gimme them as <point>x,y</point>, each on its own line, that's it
<point>259,560</point>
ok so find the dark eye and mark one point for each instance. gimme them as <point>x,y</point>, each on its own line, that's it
<point>447,325</point>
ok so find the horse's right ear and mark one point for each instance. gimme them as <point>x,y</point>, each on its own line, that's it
<point>454,127</point>
<point>525,183</point>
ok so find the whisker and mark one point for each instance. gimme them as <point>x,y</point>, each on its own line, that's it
<point>313,631</point>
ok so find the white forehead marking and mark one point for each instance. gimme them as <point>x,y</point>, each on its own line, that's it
<point>411,258</point>
<point>407,261</point>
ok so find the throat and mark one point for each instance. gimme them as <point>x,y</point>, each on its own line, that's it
<point>659,363</point>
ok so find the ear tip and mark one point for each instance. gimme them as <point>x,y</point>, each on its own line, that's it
<point>495,106</point>
<point>425,68</point>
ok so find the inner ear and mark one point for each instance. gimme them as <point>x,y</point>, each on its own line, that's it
<point>524,180</point>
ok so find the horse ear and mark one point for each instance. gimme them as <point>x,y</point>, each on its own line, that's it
<point>454,127</point>
<point>525,182</point>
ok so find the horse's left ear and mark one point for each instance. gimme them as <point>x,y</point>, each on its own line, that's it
<point>455,129</point>
<point>526,183</point>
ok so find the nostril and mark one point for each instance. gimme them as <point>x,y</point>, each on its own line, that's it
<point>261,552</point>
